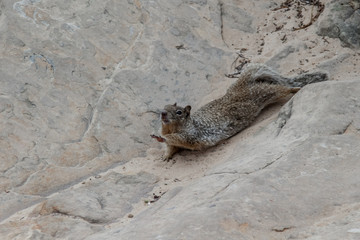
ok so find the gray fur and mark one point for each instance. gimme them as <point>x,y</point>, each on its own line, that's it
<point>257,87</point>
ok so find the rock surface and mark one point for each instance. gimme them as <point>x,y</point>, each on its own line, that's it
<point>341,20</point>
<point>82,83</point>
<point>297,179</point>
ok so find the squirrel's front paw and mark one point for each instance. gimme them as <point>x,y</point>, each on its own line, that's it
<point>159,139</point>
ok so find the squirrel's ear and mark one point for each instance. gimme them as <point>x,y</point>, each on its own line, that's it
<point>174,104</point>
<point>187,110</point>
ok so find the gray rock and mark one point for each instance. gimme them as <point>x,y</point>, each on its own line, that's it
<point>287,178</point>
<point>342,21</point>
<point>274,62</point>
<point>78,212</point>
<point>101,200</point>
<point>80,90</point>
<point>49,227</point>
<point>236,18</point>
<point>333,64</point>
<point>10,202</point>
<point>79,81</point>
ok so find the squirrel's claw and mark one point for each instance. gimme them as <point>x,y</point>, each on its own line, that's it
<point>159,139</point>
<point>166,159</point>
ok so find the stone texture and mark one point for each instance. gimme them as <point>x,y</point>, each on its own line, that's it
<point>276,188</point>
<point>100,201</point>
<point>49,227</point>
<point>236,18</point>
<point>79,82</point>
<point>79,211</point>
<point>342,21</point>
<point>81,86</point>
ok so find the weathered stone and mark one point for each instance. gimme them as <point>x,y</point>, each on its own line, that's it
<point>342,21</point>
<point>10,202</point>
<point>49,227</point>
<point>81,86</point>
<point>236,18</point>
<point>281,183</point>
<point>77,213</point>
<point>101,200</point>
<point>79,82</point>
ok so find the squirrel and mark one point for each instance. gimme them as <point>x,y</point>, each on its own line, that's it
<point>257,87</point>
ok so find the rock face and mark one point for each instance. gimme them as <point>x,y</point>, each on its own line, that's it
<point>81,86</point>
<point>287,186</point>
<point>342,21</point>
<point>80,82</point>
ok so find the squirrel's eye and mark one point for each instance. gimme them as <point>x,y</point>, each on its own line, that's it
<point>178,112</point>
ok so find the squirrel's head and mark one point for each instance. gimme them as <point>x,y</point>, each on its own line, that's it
<point>175,114</point>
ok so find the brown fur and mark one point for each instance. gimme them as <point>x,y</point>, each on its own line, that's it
<point>257,87</point>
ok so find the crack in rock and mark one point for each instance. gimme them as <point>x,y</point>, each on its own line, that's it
<point>262,168</point>
<point>119,67</point>
<point>224,172</point>
<point>345,129</point>
<point>246,173</point>
<point>88,120</point>
<point>281,229</point>
<point>225,187</point>
<point>221,6</point>
<point>89,220</point>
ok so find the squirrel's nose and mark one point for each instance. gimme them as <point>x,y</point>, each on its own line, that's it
<point>163,114</point>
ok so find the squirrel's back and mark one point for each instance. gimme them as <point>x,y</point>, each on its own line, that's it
<point>257,87</point>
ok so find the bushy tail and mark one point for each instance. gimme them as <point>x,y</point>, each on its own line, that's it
<point>304,79</point>
<point>263,73</point>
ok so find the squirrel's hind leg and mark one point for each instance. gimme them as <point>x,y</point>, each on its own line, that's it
<point>260,73</point>
<point>270,93</point>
